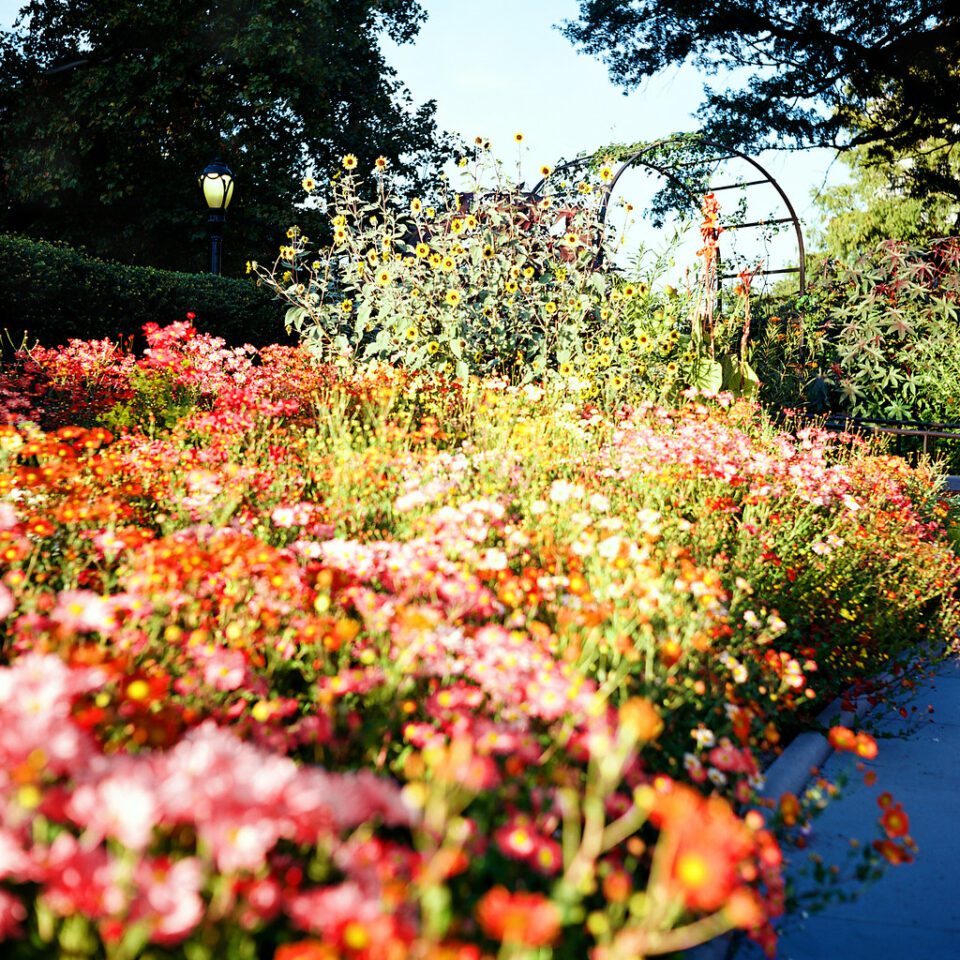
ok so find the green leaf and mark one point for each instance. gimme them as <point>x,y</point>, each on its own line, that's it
<point>708,376</point>
<point>739,377</point>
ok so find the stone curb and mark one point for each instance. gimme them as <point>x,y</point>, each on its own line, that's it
<point>789,773</point>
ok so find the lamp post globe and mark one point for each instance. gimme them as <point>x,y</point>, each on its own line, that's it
<point>216,184</point>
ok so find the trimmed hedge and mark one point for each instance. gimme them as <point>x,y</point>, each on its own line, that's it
<point>52,292</point>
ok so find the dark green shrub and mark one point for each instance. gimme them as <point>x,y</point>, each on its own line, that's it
<point>52,293</point>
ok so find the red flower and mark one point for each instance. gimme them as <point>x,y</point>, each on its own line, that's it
<point>527,918</point>
<point>892,852</point>
<point>895,821</point>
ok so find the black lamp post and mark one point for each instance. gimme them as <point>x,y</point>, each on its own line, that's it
<point>216,182</point>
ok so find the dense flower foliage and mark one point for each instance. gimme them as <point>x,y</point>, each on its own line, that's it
<point>385,665</point>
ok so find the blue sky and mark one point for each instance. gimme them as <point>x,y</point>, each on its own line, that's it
<point>495,67</point>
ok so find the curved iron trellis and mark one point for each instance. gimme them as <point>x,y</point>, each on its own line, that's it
<point>730,154</point>
<point>582,161</point>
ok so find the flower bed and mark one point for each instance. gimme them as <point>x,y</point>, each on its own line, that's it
<point>314,664</point>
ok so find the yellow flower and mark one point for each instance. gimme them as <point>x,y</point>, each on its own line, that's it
<point>518,137</point>
<point>411,333</point>
<point>572,239</point>
<point>528,272</point>
<point>380,164</point>
<point>308,184</point>
<point>453,297</point>
<point>339,220</point>
<point>346,306</point>
<point>470,222</point>
<point>433,347</point>
<point>340,235</point>
<point>349,162</point>
<point>422,251</point>
<point>627,344</point>
<point>584,187</point>
<point>249,266</point>
<point>383,278</point>
<point>416,205</point>
<point>447,264</point>
<point>629,290</point>
<point>293,233</point>
<point>510,286</point>
<point>606,174</point>
<point>373,258</point>
<point>546,170</point>
<point>315,266</point>
<point>456,226</point>
<point>618,381</point>
<point>435,259</point>
<point>606,343</point>
<point>487,252</point>
<point>549,307</point>
<point>566,369</point>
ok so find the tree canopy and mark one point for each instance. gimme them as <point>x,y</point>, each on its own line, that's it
<point>882,74</point>
<point>878,204</point>
<point>109,110</point>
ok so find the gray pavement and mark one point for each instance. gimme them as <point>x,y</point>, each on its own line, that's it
<point>913,912</point>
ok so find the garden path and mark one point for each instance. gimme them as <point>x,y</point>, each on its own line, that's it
<point>913,912</point>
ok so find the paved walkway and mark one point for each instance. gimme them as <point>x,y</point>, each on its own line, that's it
<point>913,912</point>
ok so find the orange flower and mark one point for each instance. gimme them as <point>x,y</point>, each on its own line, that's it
<point>865,746</point>
<point>710,843</point>
<point>842,738</point>
<point>526,918</point>
<point>305,950</point>
<point>789,809</point>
